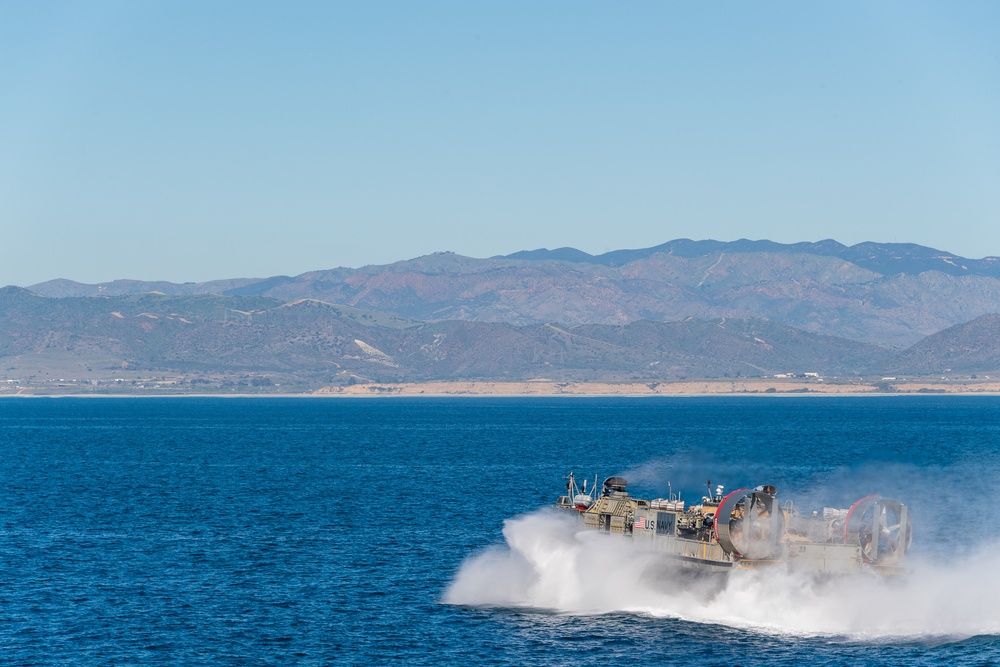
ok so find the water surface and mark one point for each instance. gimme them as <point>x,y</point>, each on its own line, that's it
<point>302,531</point>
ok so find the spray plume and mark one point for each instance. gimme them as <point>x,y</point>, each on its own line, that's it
<point>550,563</point>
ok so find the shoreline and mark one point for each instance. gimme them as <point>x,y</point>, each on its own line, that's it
<point>677,389</point>
<point>698,388</point>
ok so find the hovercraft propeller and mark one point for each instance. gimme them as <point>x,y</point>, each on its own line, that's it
<point>881,527</point>
<point>750,524</point>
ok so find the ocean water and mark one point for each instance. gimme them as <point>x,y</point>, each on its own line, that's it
<point>275,531</point>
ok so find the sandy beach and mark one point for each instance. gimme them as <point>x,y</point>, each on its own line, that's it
<point>681,388</point>
<point>758,387</point>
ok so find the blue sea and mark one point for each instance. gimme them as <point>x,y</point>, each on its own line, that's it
<point>292,531</point>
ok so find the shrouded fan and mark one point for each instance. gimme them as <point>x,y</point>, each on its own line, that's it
<point>882,528</point>
<point>749,523</point>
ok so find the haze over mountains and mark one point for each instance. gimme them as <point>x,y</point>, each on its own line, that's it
<point>681,309</point>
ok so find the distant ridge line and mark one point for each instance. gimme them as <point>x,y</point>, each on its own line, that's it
<point>890,294</point>
<point>884,258</point>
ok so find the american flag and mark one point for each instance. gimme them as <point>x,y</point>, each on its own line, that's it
<point>640,523</point>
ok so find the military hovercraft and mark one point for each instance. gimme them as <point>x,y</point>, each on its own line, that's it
<point>749,528</point>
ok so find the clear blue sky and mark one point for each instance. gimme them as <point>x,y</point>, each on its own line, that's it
<point>201,140</point>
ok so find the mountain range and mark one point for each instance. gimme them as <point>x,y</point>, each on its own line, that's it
<point>891,295</point>
<point>682,309</point>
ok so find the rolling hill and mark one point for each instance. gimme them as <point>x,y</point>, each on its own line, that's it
<point>890,295</point>
<point>314,343</point>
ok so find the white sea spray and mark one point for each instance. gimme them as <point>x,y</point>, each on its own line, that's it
<point>549,563</point>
